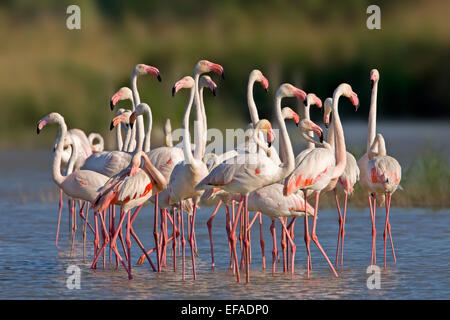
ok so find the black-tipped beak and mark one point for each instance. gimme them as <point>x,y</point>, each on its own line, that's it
<point>356,107</point>
<point>297,124</point>
<point>327,125</point>
<point>111,126</point>
<point>38,130</point>
<point>173,92</point>
<point>111,105</point>
<point>267,90</point>
<point>372,83</point>
<point>214,92</point>
<point>159,77</point>
<point>269,144</point>
<point>321,137</point>
<point>223,75</point>
<point>131,125</point>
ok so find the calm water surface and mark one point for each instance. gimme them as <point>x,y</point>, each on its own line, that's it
<point>32,267</point>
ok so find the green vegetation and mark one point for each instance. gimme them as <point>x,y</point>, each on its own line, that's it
<point>315,44</point>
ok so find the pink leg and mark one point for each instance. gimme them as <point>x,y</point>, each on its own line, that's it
<point>209,225</point>
<point>128,242</point>
<point>316,240</point>
<point>96,241</point>
<point>340,225</point>
<point>373,203</point>
<point>74,226</point>
<point>174,244</point>
<point>156,234</point>
<point>387,228</point>
<point>283,247</point>
<point>293,247</point>
<point>343,229</point>
<point>233,241</point>
<point>307,241</point>
<point>261,242</point>
<point>60,205</point>
<point>106,238</point>
<point>191,241</point>
<point>274,251</point>
<point>183,241</point>
<point>246,240</point>
<point>228,229</point>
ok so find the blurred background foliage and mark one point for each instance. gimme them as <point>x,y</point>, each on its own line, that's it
<point>314,44</point>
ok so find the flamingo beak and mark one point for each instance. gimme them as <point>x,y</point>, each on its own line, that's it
<point>354,100</point>
<point>114,99</point>
<point>270,137</point>
<point>41,124</point>
<point>217,68</point>
<point>133,119</point>
<point>296,118</point>
<point>265,83</point>
<point>300,94</point>
<point>154,71</point>
<point>318,102</point>
<point>317,130</point>
<point>115,121</point>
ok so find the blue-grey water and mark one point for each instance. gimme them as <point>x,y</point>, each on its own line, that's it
<point>32,267</point>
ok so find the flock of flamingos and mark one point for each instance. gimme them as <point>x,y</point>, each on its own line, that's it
<point>251,178</point>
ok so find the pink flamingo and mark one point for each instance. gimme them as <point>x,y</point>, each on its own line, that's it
<point>320,165</point>
<point>366,176</point>
<point>80,184</point>
<point>129,189</point>
<point>248,172</point>
<point>345,182</point>
<point>385,174</point>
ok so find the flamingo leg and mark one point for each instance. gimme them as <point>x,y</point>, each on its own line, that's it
<point>246,240</point>
<point>106,238</point>
<point>191,241</point>
<point>315,238</point>
<point>343,229</point>
<point>183,241</point>
<point>74,226</point>
<point>261,242</point>
<point>291,231</point>
<point>122,213</point>
<point>128,242</point>
<point>293,247</point>
<point>283,247</point>
<point>387,228</point>
<point>96,240</point>
<point>174,244</point>
<point>340,225</point>
<point>228,230</point>
<point>372,203</point>
<point>84,231</point>
<point>156,234</point>
<point>209,225</point>
<point>60,206</point>
<point>307,240</point>
<point>274,251</point>
<point>233,241</point>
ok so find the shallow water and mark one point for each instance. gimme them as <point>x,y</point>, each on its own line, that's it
<point>32,267</point>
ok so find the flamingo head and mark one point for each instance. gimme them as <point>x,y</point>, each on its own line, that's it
<point>307,125</point>
<point>185,83</point>
<point>288,113</point>
<point>312,99</point>
<point>266,127</point>
<point>258,76</point>
<point>140,110</point>
<point>205,66</point>
<point>143,69</point>
<point>123,116</point>
<point>206,81</point>
<point>327,111</point>
<point>124,93</point>
<point>50,118</point>
<point>348,92</point>
<point>288,90</point>
<point>374,76</point>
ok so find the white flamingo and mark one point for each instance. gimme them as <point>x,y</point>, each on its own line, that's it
<point>320,166</point>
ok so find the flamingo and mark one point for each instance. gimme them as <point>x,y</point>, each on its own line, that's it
<point>80,184</point>
<point>125,93</point>
<point>385,175</point>
<point>320,165</point>
<point>110,163</point>
<point>252,171</point>
<point>366,176</point>
<point>345,182</point>
<point>123,118</point>
<point>129,189</point>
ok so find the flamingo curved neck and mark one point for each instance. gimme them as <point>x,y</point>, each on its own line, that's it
<point>198,121</point>
<point>306,108</point>
<point>148,133</point>
<point>188,156</point>
<point>251,102</point>
<point>330,138</point>
<point>136,101</point>
<point>372,117</point>
<point>288,164</point>
<point>340,152</point>
<point>205,124</point>
<point>58,178</point>
<point>119,140</point>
